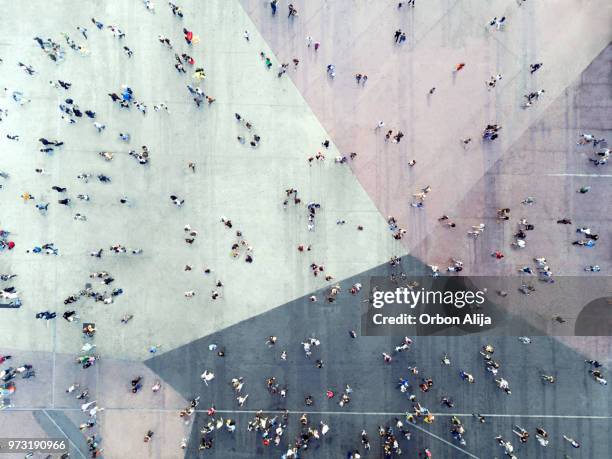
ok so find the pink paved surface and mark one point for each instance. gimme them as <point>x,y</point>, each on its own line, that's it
<point>440,35</point>
<point>126,417</point>
<point>467,184</point>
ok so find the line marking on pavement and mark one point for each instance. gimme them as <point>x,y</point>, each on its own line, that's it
<point>580,175</point>
<point>333,413</point>
<point>361,413</point>
<point>53,368</point>
<point>444,441</point>
<point>64,433</point>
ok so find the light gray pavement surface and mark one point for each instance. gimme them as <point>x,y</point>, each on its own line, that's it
<point>233,180</point>
<point>294,116</point>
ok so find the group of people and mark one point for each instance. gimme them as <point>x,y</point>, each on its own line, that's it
<point>271,428</point>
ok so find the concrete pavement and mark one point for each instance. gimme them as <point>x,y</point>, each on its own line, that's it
<point>293,116</point>
<point>246,185</point>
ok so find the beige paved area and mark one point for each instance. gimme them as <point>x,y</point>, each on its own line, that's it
<point>535,155</point>
<point>232,180</point>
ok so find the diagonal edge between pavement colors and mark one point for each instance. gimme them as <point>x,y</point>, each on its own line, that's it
<point>246,185</point>
<point>545,163</point>
<point>357,362</point>
<point>400,78</point>
<point>460,107</point>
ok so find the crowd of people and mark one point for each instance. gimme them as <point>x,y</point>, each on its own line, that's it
<point>270,428</point>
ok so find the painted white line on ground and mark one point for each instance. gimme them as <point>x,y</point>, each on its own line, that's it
<point>64,433</point>
<point>580,175</point>
<point>54,359</point>
<point>444,414</point>
<point>443,441</point>
<point>334,413</point>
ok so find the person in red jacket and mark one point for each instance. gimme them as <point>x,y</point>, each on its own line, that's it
<point>188,36</point>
